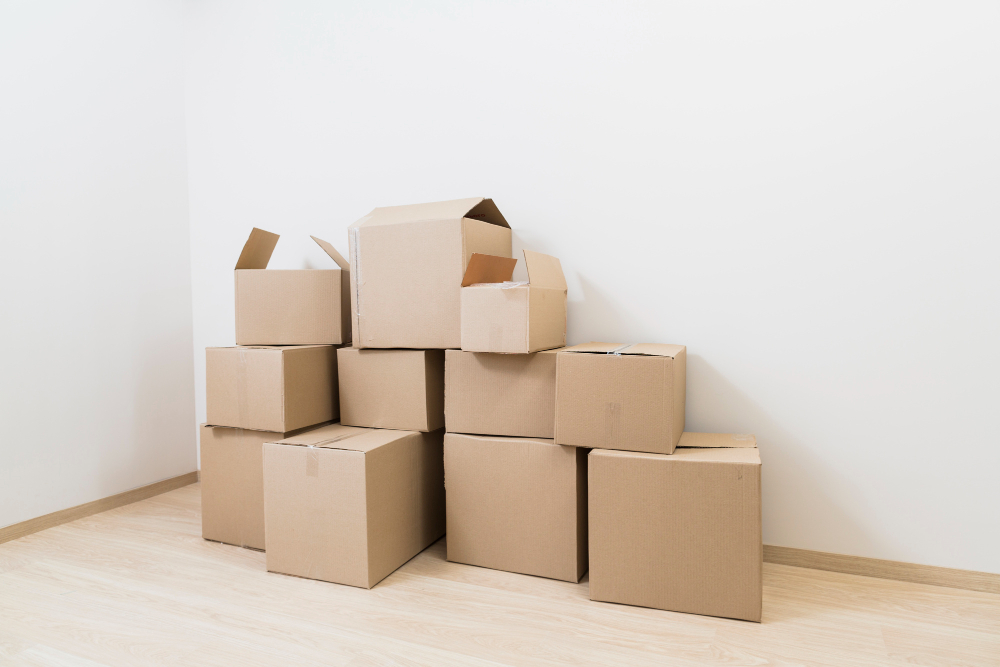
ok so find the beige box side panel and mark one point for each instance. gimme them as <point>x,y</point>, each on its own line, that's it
<point>613,402</point>
<point>315,514</point>
<point>344,287</point>
<point>546,318</point>
<point>408,278</point>
<point>405,490</point>
<point>434,388</point>
<point>679,395</point>
<point>300,307</point>
<point>513,505</point>
<point>311,392</point>
<point>244,388</point>
<point>232,485</point>
<point>676,535</point>
<point>582,519</point>
<point>495,319</point>
<point>482,237</point>
<point>500,394</point>
<point>383,388</point>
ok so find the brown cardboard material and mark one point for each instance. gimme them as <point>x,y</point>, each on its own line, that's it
<point>407,264</point>
<point>500,394</point>
<point>398,389</point>
<point>232,484</point>
<point>512,317</point>
<point>679,532</point>
<point>275,389</point>
<point>351,505</point>
<point>517,504</point>
<point>628,397</point>
<point>298,307</point>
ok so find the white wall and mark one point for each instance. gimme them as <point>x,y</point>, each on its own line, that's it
<point>96,381</point>
<point>806,196</point>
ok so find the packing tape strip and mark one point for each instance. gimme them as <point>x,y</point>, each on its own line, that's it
<point>618,350</point>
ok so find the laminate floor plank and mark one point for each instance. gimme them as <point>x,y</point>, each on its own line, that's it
<point>138,586</point>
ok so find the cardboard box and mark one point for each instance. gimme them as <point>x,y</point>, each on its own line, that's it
<point>276,389</point>
<point>299,307</point>
<point>517,504</point>
<point>628,397</point>
<point>500,394</point>
<point>513,317</point>
<point>401,389</point>
<point>351,505</point>
<point>232,484</point>
<point>679,532</point>
<point>407,264</point>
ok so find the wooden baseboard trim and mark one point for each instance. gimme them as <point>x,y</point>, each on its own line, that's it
<point>30,526</point>
<point>884,569</point>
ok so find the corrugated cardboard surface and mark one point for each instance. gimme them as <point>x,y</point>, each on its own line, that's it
<point>500,394</point>
<point>517,504</point>
<point>351,505</point>
<point>407,264</point>
<point>623,397</point>
<point>275,389</point>
<point>679,532</point>
<point>232,484</point>
<point>301,307</point>
<point>399,389</point>
<point>709,440</point>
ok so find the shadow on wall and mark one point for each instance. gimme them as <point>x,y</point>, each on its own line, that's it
<point>799,488</point>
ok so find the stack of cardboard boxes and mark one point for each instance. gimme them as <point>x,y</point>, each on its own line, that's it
<point>461,411</point>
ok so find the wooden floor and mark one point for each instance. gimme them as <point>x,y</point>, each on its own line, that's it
<point>138,586</point>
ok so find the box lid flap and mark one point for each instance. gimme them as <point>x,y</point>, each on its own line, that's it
<point>544,270</point>
<point>711,440</point>
<point>477,208</point>
<point>332,252</point>
<point>257,251</point>
<point>488,269</point>
<point>349,438</point>
<point>725,455</point>
<point>638,349</point>
<point>594,348</point>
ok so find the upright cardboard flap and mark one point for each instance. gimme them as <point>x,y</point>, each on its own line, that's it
<point>488,269</point>
<point>257,251</point>
<point>477,208</point>
<point>332,252</point>
<point>544,270</point>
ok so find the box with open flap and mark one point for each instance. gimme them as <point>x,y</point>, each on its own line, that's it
<point>628,397</point>
<point>407,264</point>
<point>290,307</point>
<point>350,505</point>
<point>499,315</point>
<point>679,532</point>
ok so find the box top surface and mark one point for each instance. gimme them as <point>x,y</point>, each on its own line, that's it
<point>279,348</point>
<point>503,438</point>
<point>259,247</point>
<point>710,440</point>
<point>476,208</point>
<point>738,455</point>
<point>637,349</point>
<point>348,438</point>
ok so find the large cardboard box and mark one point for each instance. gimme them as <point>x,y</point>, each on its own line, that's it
<point>351,505</point>
<point>407,264</point>
<point>276,389</point>
<point>679,532</point>
<point>297,307</point>
<point>513,317</point>
<point>400,389</point>
<point>628,397</point>
<point>517,504</point>
<point>500,394</point>
<point>232,484</point>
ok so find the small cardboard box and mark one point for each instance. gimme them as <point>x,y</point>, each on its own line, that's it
<point>500,394</point>
<point>513,317</point>
<point>407,264</point>
<point>517,504</point>
<point>277,389</point>
<point>400,389</point>
<point>351,505</point>
<point>679,532</point>
<point>628,397</point>
<point>232,484</point>
<point>298,307</point>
